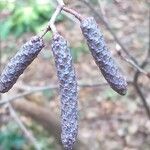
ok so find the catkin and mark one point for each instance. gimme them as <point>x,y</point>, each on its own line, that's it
<point>68,90</point>
<point>102,55</point>
<point>19,63</point>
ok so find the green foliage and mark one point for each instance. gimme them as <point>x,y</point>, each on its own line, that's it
<point>49,94</point>
<point>93,1</point>
<point>26,16</point>
<point>5,5</point>
<point>11,138</point>
<point>45,142</point>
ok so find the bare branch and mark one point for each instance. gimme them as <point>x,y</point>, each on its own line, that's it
<point>137,87</point>
<point>60,2</point>
<point>60,7</point>
<point>65,13</point>
<point>53,18</point>
<point>51,25</point>
<point>32,90</point>
<point>132,63</point>
<point>101,9</point>
<point>73,12</point>
<point>28,135</point>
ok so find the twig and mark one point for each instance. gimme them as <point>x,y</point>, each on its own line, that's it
<point>52,87</point>
<point>61,2</point>
<point>101,9</point>
<point>51,22</point>
<point>141,70</point>
<point>137,87</point>
<point>73,12</point>
<point>60,7</point>
<point>53,18</point>
<point>27,93</point>
<point>51,25</point>
<point>139,91</point>
<point>22,127</point>
<point>65,13</point>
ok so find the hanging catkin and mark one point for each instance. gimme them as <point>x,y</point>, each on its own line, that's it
<point>102,55</point>
<point>19,63</point>
<point>68,90</point>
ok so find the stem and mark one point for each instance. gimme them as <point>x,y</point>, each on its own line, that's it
<point>61,2</point>
<point>27,133</point>
<point>53,19</point>
<point>73,12</point>
<point>32,90</point>
<point>51,25</point>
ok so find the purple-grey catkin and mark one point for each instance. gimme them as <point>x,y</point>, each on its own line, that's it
<point>102,55</point>
<point>68,90</point>
<point>19,63</point>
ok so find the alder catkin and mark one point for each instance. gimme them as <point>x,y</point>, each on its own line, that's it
<point>68,90</point>
<point>19,63</point>
<point>102,55</point>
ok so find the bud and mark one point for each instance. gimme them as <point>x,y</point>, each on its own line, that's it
<point>19,63</point>
<point>68,90</point>
<point>102,56</point>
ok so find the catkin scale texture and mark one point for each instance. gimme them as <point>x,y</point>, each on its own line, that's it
<point>102,55</point>
<point>19,63</point>
<point>68,90</point>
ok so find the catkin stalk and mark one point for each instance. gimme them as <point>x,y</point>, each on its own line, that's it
<point>102,55</point>
<point>68,90</point>
<point>19,63</point>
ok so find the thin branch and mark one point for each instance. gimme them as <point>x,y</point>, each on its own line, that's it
<point>101,9</point>
<point>73,12</point>
<point>132,63</point>
<point>53,18</point>
<point>61,2</point>
<point>65,13</point>
<point>60,7</point>
<point>27,93</point>
<point>50,87</point>
<point>51,25</point>
<point>51,22</point>
<point>28,135</point>
<point>137,87</point>
<point>139,91</point>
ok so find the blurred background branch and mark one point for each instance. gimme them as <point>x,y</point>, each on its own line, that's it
<point>27,133</point>
<point>137,86</point>
<point>30,90</point>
